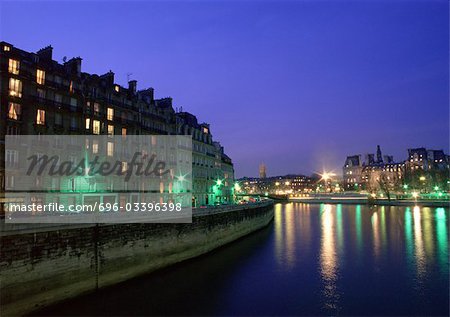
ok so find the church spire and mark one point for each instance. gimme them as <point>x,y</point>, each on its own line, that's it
<point>379,156</point>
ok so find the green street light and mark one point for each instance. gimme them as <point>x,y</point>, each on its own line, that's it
<point>405,186</point>
<point>436,188</point>
<point>219,182</point>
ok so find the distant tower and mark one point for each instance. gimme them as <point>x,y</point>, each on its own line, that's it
<point>379,156</point>
<point>262,170</point>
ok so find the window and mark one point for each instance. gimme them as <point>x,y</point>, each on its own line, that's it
<point>15,87</point>
<point>95,146</point>
<point>88,123</point>
<point>40,117</point>
<point>14,111</point>
<point>110,129</point>
<point>117,88</point>
<point>96,127</point>
<point>124,167</point>
<point>58,119</point>
<point>40,76</point>
<point>96,108</point>
<point>58,98</point>
<point>11,158</point>
<point>12,130</point>
<point>6,48</point>
<point>71,87</point>
<point>110,149</point>
<point>13,66</point>
<point>110,114</point>
<point>73,104</point>
<point>73,123</point>
<point>40,93</point>
<point>124,131</point>
<point>9,181</point>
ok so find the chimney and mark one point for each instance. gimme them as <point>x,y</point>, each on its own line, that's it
<point>73,66</point>
<point>45,53</point>
<point>108,78</point>
<point>132,85</point>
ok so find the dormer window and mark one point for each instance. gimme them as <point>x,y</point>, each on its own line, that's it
<point>117,88</point>
<point>6,48</point>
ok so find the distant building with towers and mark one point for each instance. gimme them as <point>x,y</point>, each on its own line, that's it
<point>366,174</point>
<point>430,167</point>
<point>262,170</point>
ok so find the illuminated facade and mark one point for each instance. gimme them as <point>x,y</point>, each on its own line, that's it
<point>42,96</point>
<point>288,184</point>
<point>424,169</point>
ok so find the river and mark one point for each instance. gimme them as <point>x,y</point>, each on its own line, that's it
<point>312,260</point>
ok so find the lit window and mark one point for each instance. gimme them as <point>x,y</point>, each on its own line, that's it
<point>15,87</point>
<point>71,86</point>
<point>124,166</point>
<point>117,88</point>
<point>95,146</point>
<point>14,111</point>
<point>13,66</point>
<point>110,149</point>
<point>124,131</point>
<point>96,127</point>
<point>6,48</point>
<point>96,108</point>
<point>110,129</point>
<point>40,116</point>
<point>40,76</point>
<point>88,123</point>
<point>110,114</point>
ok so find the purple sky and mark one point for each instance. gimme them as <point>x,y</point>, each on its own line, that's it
<point>295,84</point>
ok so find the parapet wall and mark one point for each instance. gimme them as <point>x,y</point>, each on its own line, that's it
<point>45,265</point>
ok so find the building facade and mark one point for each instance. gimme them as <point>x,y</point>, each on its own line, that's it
<point>42,96</point>
<point>424,169</point>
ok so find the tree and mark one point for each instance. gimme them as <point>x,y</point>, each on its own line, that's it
<point>385,184</point>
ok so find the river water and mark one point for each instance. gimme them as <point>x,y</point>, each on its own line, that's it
<point>312,260</point>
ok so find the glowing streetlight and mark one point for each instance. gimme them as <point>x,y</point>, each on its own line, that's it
<point>436,188</point>
<point>422,178</point>
<point>415,195</point>
<point>277,183</point>
<point>327,175</point>
<point>219,182</point>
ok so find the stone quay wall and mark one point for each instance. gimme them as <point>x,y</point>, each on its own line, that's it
<point>46,264</point>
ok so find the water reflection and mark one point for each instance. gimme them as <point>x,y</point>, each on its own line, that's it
<point>358,223</point>
<point>409,237</point>
<point>442,238</point>
<point>285,231</point>
<point>328,259</point>
<point>419,248</point>
<point>313,260</point>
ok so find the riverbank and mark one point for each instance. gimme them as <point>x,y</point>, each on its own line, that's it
<point>365,200</point>
<point>52,264</point>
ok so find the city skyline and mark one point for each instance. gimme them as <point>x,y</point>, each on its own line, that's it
<point>293,69</point>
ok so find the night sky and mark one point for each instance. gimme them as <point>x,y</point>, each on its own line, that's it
<point>298,85</point>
